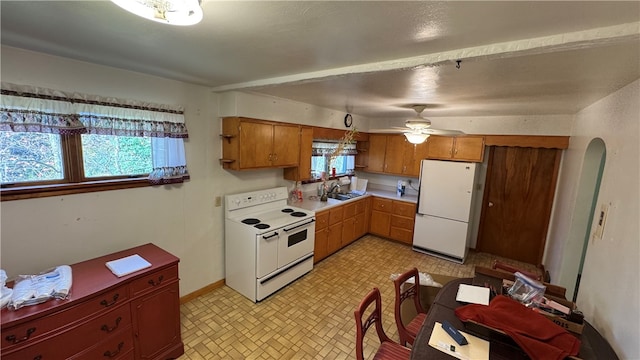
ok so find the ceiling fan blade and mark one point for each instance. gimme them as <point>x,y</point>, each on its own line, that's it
<point>441,132</point>
<point>388,130</point>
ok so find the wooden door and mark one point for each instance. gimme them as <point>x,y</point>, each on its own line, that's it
<point>517,205</point>
<point>377,148</point>
<point>394,156</point>
<point>286,145</point>
<point>334,240</point>
<point>256,140</point>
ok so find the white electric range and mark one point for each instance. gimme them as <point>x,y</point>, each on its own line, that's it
<point>268,244</point>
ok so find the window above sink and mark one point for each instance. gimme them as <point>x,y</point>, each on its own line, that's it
<point>321,159</point>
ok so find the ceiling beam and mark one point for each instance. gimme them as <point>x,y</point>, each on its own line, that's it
<point>541,45</point>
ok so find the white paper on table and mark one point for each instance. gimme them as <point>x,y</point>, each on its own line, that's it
<point>473,294</point>
<point>476,349</point>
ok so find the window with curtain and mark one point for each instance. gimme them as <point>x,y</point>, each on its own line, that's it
<point>324,158</point>
<point>48,137</point>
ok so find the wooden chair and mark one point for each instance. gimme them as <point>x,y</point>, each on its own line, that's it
<point>388,348</point>
<point>409,332</point>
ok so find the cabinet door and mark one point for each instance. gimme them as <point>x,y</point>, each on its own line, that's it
<point>440,147</point>
<point>394,156</point>
<point>360,226</point>
<point>469,148</point>
<point>321,244</point>
<point>156,322</point>
<point>377,149</point>
<point>380,223</point>
<point>334,241</point>
<point>256,141</point>
<point>335,215</point>
<point>286,145</point>
<point>348,231</point>
<point>413,155</point>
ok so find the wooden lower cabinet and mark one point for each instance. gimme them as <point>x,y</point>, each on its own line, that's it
<point>393,219</point>
<point>322,236</point>
<point>136,316</point>
<point>340,226</point>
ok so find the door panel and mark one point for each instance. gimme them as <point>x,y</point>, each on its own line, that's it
<point>517,205</point>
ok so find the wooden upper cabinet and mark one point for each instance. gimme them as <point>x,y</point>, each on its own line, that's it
<point>303,170</point>
<point>393,154</point>
<point>253,144</point>
<point>461,148</point>
<point>377,149</point>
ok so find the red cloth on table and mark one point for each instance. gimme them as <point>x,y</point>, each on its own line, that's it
<point>538,336</point>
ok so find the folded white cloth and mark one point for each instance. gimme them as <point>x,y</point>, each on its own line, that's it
<point>35,289</point>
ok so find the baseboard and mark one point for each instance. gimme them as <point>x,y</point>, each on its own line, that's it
<point>207,289</point>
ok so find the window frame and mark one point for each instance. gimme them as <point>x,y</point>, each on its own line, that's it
<point>73,181</point>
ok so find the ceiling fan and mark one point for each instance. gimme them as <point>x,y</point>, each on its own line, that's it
<point>417,129</point>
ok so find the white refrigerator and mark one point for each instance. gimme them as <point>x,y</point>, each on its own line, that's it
<point>445,199</point>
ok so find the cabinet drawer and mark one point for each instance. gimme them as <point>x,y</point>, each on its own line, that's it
<point>404,208</point>
<point>25,334</point>
<point>322,220</point>
<point>403,235</point>
<point>361,206</point>
<point>384,205</point>
<point>402,222</point>
<point>349,210</point>
<point>154,280</point>
<point>335,215</point>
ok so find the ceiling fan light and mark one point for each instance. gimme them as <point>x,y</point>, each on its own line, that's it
<point>416,138</point>
<point>172,12</point>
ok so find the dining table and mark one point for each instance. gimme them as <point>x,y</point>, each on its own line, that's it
<point>593,345</point>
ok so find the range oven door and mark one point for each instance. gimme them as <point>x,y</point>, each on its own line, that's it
<point>267,253</point>
<point>296,241</point>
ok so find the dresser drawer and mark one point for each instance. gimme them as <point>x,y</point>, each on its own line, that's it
<point>117,347</point>
<point>154,280</point>
<point>384,205</point>
<point>402,222</point>
<point>74,340</point>
<point>25,334</point>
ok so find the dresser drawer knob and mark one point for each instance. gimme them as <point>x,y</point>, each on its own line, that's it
<point>14,339</point>
<point>110,354</point>
<point>105,303</point>
<point>153,283</point>
<point>108,329</point>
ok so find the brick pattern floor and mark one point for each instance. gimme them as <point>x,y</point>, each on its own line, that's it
<point>311,318</point>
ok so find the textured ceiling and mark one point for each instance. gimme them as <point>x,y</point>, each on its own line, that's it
<point>368,58</point>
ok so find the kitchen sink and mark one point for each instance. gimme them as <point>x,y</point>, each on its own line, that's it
<point>346,196</point>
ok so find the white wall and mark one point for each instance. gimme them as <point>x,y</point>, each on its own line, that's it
<point>39,233</point>
<point>609,292</point>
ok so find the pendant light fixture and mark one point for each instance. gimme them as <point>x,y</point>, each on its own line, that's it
<point>172,12</point>
<point>416,137</point>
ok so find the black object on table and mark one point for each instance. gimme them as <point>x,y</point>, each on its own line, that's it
<point>593,346</point>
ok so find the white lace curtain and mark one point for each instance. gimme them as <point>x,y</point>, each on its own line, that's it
<point>32,109</point>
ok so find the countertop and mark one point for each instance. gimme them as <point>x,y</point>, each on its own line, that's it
<point>312,202</point>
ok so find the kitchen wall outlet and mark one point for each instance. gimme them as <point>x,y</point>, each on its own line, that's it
<point>218,201</point>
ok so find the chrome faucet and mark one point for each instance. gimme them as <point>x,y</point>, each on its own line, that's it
<point>333,186</point>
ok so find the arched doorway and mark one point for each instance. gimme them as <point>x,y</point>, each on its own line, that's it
<point>584,212</point>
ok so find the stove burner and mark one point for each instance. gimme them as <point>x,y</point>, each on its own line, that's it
<point>262,226</point>
<point>298,214</point>
<point>250,221</point>
<point>287,210</point>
